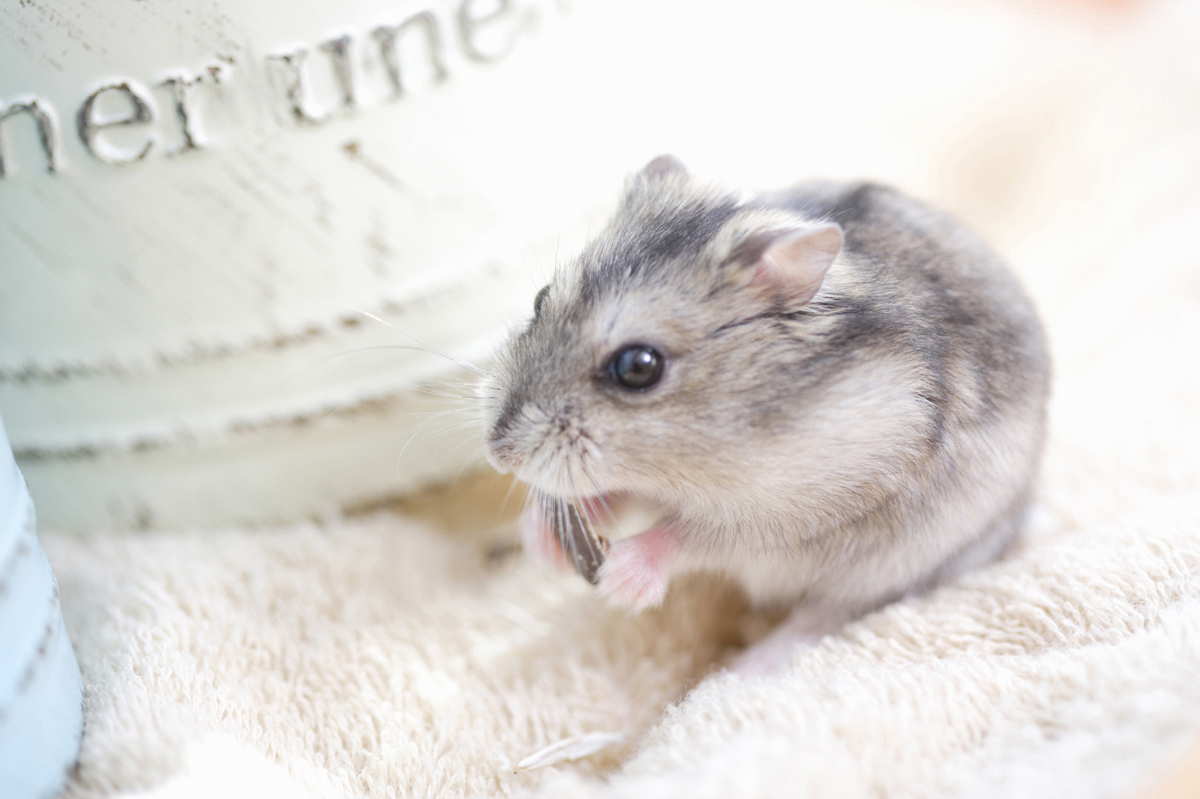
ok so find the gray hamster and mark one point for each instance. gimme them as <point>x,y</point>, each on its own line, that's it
<point>833,395</point>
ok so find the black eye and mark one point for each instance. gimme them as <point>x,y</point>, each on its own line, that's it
<point>636,367</point>
<point>539,301</point>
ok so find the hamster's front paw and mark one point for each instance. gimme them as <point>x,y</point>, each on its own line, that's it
<point>636,571</point>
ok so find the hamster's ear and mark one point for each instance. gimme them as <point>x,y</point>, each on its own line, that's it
<point>792,264</point>
<point>661,167</point>
<point>656,176</point>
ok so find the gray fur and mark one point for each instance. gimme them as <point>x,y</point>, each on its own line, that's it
<point>841,452</point>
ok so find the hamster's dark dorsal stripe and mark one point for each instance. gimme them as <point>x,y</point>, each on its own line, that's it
<point>658,236</point>
<point>855,205</point>
<point>848,206</point>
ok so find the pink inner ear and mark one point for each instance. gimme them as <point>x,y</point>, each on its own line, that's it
<point>662,166</point>
<point>795,264</point>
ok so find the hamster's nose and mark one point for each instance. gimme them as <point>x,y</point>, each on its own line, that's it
<point>502,425</point>
<point>500,447</point>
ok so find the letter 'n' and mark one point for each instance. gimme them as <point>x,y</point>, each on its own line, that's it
<point>47,129</point>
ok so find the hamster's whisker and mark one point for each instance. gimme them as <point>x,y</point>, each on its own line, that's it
<point>541,268</point>
<point>458,427</point>
<point>427,348</point>
<point>512,486</point>
<point>599,495</point>
<point>420,389</point>
<point>449,390</point>
<point>415,433</point>
<point>471,386</point>
<point>348,403</point>
<point>559,514</point>
<point>557,248</point>
<point>360,350</point>
<point>533,499</point>
<point>466,413</point>
<point>373,394</point>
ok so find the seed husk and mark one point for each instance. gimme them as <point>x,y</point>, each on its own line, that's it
<point>579,540</point>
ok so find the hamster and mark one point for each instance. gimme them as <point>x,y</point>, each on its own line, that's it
<point>834,395</point>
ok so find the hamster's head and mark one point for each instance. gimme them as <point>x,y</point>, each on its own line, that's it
<point>653,361</point>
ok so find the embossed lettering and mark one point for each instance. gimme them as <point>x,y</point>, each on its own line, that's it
<point>481,23</point>
<point>292,64</point>
<point>138,112</point>
<point>47,128</point>
<point>339,53</point>
<point>389,36</point>
<point>179,85</point>
<point>116,122</point>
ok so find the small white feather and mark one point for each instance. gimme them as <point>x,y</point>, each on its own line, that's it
<point>573,748</point>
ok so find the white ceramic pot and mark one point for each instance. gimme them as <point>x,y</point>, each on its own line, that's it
<point>216,218</point>
<point>41,693</point>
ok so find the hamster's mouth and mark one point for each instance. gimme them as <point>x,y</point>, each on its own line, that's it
<point>584,526</point>
<point>617,515</point>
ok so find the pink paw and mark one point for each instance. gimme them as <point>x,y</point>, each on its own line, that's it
<point>635,571</point>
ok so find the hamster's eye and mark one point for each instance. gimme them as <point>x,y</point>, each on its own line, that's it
<point>539,301</point>
<point>636,367</point>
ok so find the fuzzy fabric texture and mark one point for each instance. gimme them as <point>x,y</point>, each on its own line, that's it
<point>395,655</point>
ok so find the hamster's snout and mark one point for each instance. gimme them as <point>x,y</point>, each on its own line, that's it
<point>499,448</point>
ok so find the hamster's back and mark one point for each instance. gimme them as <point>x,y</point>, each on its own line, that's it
<point>921,282</point>
<point>959,303</point>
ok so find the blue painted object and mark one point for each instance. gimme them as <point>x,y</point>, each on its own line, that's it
<point>41,691</point>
